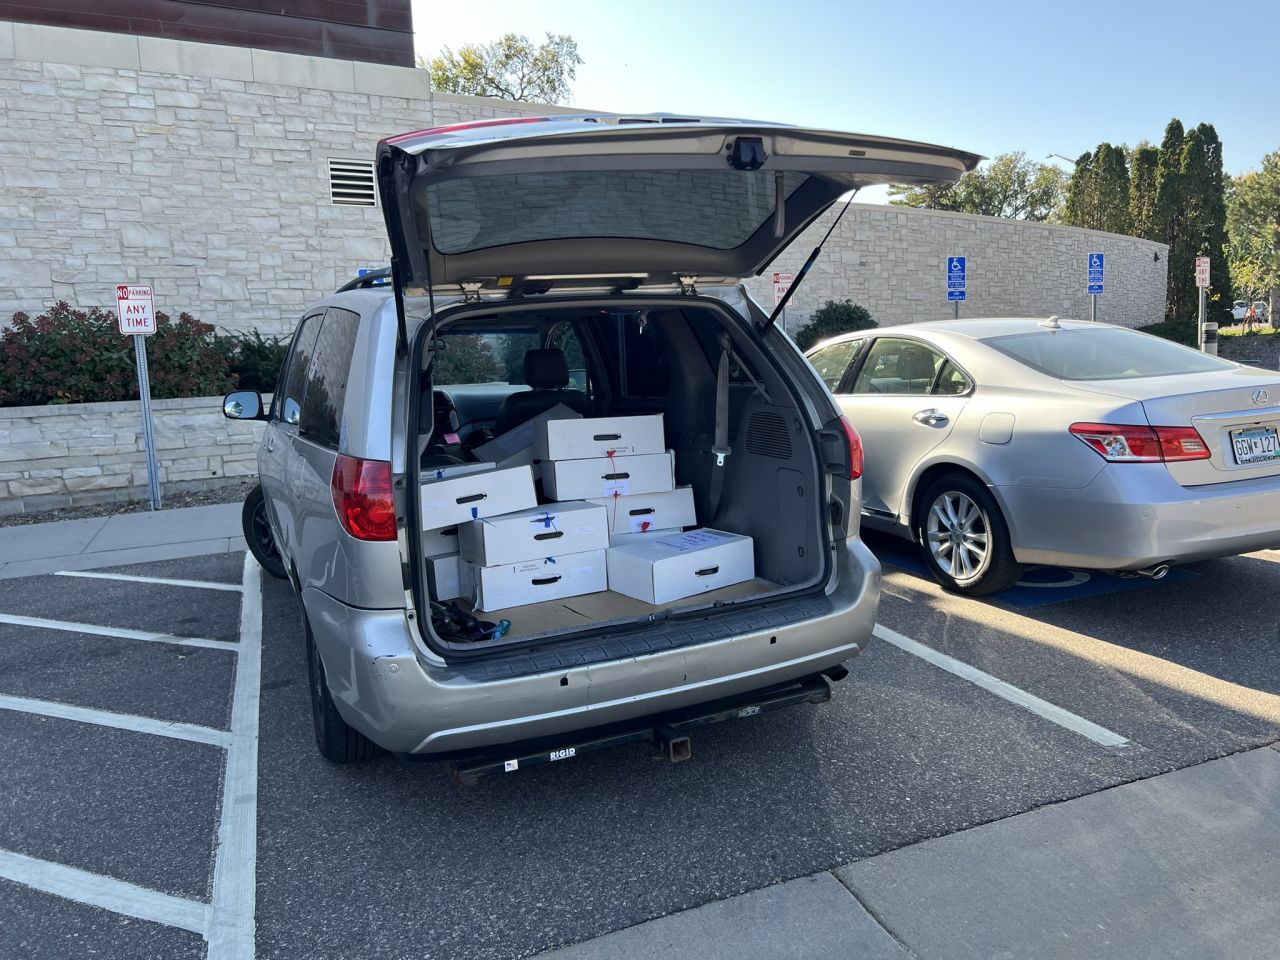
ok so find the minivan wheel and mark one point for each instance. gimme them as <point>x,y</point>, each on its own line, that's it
<point>965,537</point>
<point>257,533</point>
<point>337,741</point>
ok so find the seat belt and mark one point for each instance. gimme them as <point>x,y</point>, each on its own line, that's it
<point>720,447</point>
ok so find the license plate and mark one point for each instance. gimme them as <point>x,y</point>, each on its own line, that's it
<point>1255,445</point>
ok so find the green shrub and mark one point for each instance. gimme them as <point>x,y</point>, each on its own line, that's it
<point>257,360</point>
<point>1179,331</point>
<point>832,318</point>
<point>78,356</point>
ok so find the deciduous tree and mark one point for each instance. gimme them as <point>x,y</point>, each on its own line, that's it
<point>1253,228</point>
<point>1010,186</point>
<point>511,68</point>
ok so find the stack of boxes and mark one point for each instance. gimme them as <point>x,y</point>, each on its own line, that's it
<point>617,522</point>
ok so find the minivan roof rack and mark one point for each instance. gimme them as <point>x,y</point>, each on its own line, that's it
<point>371,278</point>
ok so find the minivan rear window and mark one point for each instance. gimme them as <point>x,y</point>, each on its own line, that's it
<point>707,208</point>
<point>1103,353</point>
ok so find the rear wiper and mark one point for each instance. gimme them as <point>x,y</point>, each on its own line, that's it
<point>786,297</point>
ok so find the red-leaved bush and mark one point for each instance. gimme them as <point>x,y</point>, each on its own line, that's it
<point>79,356</point>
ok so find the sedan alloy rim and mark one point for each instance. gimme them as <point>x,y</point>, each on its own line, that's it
<point>957,536</point>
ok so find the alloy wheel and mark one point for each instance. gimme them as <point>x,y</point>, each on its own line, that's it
<point>957,535</point>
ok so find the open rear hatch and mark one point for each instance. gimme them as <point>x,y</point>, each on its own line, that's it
<point>506,203</point>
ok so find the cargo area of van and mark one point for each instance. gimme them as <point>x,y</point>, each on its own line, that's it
<point>587,465</point>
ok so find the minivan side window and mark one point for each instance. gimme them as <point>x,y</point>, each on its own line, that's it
<point>289,402</point>
<point>326,388</point>
<point>832,362</point>
<point>898,367</point>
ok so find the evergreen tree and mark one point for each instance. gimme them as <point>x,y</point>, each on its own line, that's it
<point>1166,221</point>
<point>1078,211</point>
<point>1144,163</point>
<point>1213,227</point>
<point>1111,189</point>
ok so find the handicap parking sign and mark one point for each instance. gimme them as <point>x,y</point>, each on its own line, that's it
<point>955,275</point>
<point>1097,265</point>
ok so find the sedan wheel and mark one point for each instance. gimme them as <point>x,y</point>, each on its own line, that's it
<point>965,537</point>
<point>957,536</point>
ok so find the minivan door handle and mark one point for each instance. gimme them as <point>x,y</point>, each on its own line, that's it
<point>930,418</point>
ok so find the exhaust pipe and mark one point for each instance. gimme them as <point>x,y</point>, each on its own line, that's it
<point>1157,572</point>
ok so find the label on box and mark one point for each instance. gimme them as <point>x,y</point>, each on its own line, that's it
<point>617,488</point>
<point>695,539</point>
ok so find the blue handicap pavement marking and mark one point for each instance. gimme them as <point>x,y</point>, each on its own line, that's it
<point>1039,585</point>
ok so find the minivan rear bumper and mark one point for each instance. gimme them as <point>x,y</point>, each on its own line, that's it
<point>384,689</point>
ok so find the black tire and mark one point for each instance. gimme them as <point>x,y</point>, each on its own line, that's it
<point>997,569</point>
<point>337,741</point>
<point>257,534</point>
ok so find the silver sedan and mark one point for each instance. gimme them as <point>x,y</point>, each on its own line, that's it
<point>1001,443</point>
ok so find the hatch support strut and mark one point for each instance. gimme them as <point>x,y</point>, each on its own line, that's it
<point>786,297</point>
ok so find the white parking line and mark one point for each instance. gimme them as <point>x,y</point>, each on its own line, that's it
<point>122,633</point>
<point>105,892</point>
<point>231,930</point>
<point>120,721</point>
<point>163,581</point>
<point>1006,691</point>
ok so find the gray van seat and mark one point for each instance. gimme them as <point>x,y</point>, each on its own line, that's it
<point>547,374</point>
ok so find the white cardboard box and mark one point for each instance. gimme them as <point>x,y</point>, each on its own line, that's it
<point>454,470</point>
<point>601,477</point>
<point>642,512</point>
<point>446,503</point>
<point>662,569</point>
<point>557,528</point>
<point>533,581</point>
<point>584,439</point>
<point>516,446</point>
<point>445,577</point>
<point>436,543</point>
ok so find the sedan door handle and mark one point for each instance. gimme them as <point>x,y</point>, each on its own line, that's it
<point>930,417</point>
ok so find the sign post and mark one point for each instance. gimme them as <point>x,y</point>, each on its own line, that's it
<point>136,317</point>
<point>1097,264</point>
<point>956,282</point>
<point>1208,331</point>
<point>781,284</point>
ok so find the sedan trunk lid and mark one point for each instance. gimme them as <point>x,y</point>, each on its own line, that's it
<point>522,202</point>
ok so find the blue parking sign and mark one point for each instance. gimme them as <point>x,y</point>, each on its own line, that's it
<point>955,294</point>
<point>955,275</point>
<point>1097,266</point>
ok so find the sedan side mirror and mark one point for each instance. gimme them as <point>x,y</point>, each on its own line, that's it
<point>243,405</point>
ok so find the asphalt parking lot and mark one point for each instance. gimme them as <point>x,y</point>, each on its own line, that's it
<point>129,701</point>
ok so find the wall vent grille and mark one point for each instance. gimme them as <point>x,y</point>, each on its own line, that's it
<point>767,436</point>
<point>351,183</point>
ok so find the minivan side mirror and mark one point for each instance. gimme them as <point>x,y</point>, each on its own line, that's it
<point>243,405</point>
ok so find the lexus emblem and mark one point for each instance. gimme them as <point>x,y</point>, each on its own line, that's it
<point>1260,396</point>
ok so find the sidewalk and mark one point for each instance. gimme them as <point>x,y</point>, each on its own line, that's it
<point>1182,865</point>
<point>42,548</point>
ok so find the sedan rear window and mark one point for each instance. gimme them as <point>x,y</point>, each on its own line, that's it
<point>1104,353</point>
<point>708,208</point>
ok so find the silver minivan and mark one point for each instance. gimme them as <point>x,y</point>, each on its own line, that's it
<point>594,262</point>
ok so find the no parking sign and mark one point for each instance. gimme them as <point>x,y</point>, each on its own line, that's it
<point>135,309</point>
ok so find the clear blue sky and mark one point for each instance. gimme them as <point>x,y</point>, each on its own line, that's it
<point>989,77</point>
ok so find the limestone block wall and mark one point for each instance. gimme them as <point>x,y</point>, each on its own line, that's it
<point>58,456</point>
<point>892,260</point>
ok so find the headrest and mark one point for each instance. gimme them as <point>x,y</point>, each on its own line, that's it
<point>545,369</point>
<point>915,364</point>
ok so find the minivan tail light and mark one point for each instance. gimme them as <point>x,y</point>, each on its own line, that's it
<point>1125,443</point>
<point>362,497</point>
<point>855,449</point>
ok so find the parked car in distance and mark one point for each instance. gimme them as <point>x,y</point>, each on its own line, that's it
<point>603,257</point>
<point>1239,308</point>
<point>1000,443</point>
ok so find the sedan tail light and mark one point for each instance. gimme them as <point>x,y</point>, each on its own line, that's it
<point>1123,443</point>
<point>855,449</point>
<point>362,497</point>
